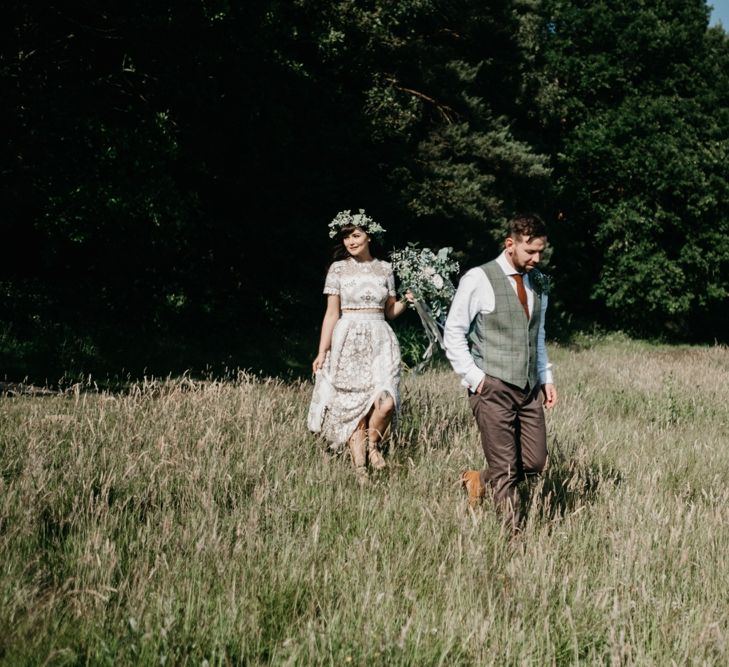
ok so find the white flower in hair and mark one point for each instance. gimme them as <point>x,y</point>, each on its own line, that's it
<point>361,220</point>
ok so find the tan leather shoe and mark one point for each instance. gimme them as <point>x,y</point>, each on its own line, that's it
<point>471,480</point>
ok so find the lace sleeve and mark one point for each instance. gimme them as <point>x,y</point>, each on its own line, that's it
<point>391,284</point>
<point>331,284</point>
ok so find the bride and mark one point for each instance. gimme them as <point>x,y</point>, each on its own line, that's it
<point>357,369</point>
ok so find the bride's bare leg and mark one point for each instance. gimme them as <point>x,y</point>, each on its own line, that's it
<point>358,449</point>
<point>380,419</point>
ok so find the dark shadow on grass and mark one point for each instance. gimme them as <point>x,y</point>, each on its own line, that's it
<point>566,487</point>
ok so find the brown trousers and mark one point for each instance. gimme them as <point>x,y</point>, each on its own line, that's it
<point>514,439</point>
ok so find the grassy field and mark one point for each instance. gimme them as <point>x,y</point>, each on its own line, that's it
<point>199,523</point>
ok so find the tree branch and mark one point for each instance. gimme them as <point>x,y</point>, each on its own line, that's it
<point>447,112</point>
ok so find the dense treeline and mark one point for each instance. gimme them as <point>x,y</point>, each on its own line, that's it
<point>169,168</point>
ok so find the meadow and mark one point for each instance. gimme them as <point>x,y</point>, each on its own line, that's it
<point>186,522</point>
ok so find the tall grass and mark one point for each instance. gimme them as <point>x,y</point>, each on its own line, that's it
<point>199,523</point>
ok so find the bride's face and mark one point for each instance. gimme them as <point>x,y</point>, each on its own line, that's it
<point>357,244</point>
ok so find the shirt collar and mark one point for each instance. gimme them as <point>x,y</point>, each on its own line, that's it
<point>507,268</point>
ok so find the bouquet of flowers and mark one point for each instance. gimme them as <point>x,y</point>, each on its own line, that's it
<point>426,274</point>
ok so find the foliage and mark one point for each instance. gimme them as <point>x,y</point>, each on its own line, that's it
<point>427,275</point>
<point>165,161</point>
<point>412,340</point>
<point>169,168</point>
<point>640,130</point>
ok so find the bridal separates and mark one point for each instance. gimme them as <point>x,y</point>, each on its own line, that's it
<point>364,358</point>
<point>363,362</point>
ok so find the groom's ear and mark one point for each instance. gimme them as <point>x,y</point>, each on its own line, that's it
<point>509,243</point>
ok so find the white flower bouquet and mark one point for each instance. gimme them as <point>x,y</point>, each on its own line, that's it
<point>427,275</point>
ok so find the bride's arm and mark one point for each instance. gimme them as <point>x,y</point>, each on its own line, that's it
<point>327,327</point>
<point>395,308</point>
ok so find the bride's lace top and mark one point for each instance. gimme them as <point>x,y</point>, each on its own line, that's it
<point>360,284</point>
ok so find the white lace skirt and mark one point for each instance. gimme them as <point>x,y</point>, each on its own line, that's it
<point>364,361</point>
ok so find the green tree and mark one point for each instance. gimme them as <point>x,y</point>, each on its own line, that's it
<point>636,110</point>
<point>172,167</point>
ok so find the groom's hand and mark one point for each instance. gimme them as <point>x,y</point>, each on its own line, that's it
<point>550,395</point>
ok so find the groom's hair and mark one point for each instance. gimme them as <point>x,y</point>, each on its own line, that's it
<point>526,226</point>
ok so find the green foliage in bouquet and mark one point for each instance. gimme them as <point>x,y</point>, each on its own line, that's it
<point>426,275</point>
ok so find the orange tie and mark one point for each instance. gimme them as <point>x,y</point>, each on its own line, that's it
<point>521,292</point>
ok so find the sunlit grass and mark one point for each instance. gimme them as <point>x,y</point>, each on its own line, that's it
<point>181,521</point>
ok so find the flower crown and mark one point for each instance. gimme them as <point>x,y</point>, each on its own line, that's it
<point>361,220</point>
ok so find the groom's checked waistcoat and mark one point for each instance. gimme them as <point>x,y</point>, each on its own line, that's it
<point>504,342</point>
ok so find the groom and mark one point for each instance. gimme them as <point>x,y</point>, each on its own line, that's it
<point>494,339</point>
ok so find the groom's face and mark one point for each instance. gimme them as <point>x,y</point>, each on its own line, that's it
<point>524,253</point>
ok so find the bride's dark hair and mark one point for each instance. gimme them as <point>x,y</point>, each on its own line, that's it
<point>340,252</point>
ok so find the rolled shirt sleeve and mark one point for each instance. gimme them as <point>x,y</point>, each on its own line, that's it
<point>544,368</point>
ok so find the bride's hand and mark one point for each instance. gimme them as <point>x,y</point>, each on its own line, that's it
<point>410,297</point>
<point>318,362</point>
